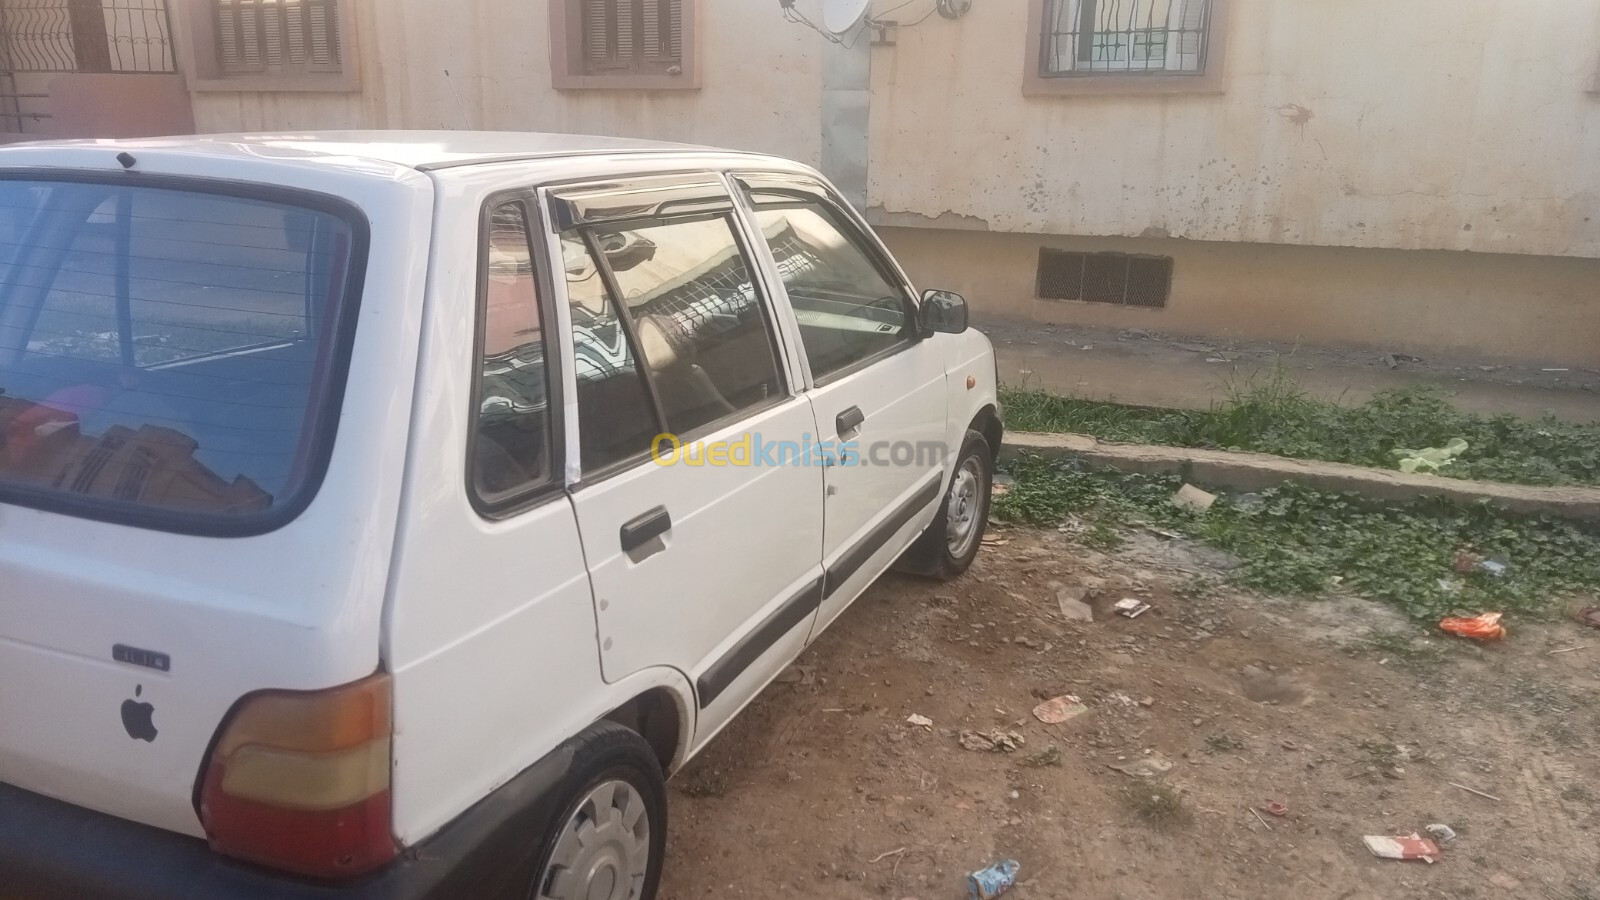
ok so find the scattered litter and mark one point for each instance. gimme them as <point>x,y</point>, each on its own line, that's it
<point>1389,360</point>
<point>1555,370</point>
<point>1444,833</point>
<point>995,541</point>
<point>1131,608</point>
<point>1073,607</point>
<point>1061,709</point>
<point>1072,525</point>
<point>1274,808</point>
<point>999,490</point>
<point>1570,649</point>
<point>986,884</point>
<point>1493,567</point>
<point>1193,499</point>
<point>922,722</point>
<point>1590,616</point>
<point>1466,561</point>
<point>1486,627</point>
<point>1430,459</point>
<point>1412,846</point>
<point>1148,766</point>
<point>1474,791</point>
<point>883,856</point>
<point>995,741</point>
<point>1259,819</point>
<point>1247,502</point>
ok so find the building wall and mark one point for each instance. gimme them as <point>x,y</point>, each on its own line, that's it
<point>1484,306</point>
<point>761,80</point>
<point>1428,124</point>
<point>1344,135</point>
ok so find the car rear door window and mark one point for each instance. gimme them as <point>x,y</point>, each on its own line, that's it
<point>168,354</point>
<point>616,419</point>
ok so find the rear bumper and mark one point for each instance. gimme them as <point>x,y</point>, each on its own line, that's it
<point>50,850</point>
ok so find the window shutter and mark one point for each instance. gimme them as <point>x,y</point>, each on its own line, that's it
<point>608,34</point>
<point>277,36</point>
<point>322,30</point>
<point>663,31</point>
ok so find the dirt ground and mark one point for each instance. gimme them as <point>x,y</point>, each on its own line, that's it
<point>1338,709</point>
<point>1147,368</point>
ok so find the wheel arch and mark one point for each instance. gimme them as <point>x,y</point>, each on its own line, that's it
<point>660,716</point>
<point>987,423</point>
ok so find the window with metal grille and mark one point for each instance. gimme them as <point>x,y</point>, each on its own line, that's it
<point>85,36</point>
<point>1120,278</point>
<point>1126,37</point>
<point>632,36</point>
<point>277,37</point>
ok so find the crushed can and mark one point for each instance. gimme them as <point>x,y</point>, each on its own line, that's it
<point>989,883</point>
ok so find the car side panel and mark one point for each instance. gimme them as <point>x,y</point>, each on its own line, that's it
<point>490,630</point>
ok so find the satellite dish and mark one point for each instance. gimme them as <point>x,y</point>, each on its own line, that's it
<point>839,16</point>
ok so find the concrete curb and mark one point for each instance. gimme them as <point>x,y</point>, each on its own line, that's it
<point>1259,471</point>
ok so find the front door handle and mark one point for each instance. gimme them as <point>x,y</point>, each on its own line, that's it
<point>850,420</point>
<point>641,529</point>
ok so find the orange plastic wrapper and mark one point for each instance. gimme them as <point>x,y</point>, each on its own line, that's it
<point>1486,627</point>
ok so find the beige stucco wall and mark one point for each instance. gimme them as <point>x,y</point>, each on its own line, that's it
<point>1438,124</point>
<point>1429,124</point>
<point>1488,306</point>
<point>761,80</point>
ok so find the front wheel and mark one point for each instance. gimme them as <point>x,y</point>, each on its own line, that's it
<point>952,540</point>
<point>609,837</point>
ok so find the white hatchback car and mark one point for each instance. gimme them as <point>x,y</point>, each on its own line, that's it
<point>387,514</point>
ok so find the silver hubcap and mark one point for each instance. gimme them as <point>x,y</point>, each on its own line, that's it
<point>962,522</point>
<point>603,851</point>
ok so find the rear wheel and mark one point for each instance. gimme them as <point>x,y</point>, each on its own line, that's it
<point>952,540</point>
<point>608,839</point>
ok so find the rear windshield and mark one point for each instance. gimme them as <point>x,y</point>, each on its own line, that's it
<point>165,354</point>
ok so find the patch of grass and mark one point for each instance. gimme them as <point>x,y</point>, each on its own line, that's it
<point>1159,805</point>
<point>1271,414</point>
<point>1297,541</point>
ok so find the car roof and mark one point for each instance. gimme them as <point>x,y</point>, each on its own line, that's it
<point>421,150</point>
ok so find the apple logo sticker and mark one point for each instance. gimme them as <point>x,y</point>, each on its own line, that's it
<point>139,718</point>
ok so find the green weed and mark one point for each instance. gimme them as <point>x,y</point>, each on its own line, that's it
<point>1271,414</point>
<point>1297,541</point>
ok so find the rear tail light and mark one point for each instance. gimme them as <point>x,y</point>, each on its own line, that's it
<point>299,781</point>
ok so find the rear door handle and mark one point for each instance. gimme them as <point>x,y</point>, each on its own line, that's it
<point>641,529</point>
<point>850,420</point>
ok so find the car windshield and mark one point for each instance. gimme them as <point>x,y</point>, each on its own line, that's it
<point>164,351</point>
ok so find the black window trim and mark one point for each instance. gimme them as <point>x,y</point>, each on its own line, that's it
<point>787,391</point>
<point>322,430</point>
<point>535,493</point>
<point>796,192</point>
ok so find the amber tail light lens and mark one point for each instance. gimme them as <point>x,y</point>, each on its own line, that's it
<point>299,781</point>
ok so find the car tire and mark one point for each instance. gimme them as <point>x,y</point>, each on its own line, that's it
<point>609,834</point>
<point>953,538</point>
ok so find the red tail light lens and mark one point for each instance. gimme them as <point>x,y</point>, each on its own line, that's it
<point>299,781</point>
